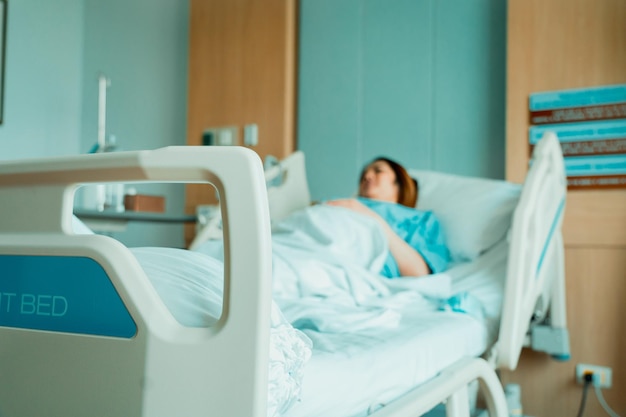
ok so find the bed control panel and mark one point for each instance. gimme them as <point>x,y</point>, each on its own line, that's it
<point>61,294</point>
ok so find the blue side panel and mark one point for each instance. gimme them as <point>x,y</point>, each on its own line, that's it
<point>61,294</point>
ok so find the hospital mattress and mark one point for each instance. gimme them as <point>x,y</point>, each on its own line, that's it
<point>356,374</point>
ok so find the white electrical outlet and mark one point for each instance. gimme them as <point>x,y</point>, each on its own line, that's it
<point>602,377</point>
<point>221,136</point>
<point>227,136</point>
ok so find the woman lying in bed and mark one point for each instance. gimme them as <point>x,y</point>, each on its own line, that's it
<point>336,253</point>
<point>330,261</point>
<point>396,240</point>
<point>415,238</point>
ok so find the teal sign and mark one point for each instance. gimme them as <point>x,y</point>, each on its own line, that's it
<point>61,294</point>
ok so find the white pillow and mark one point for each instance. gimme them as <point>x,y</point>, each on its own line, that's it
<point>475,212</point>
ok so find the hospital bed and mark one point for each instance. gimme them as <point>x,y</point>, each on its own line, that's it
<point>85,329</point>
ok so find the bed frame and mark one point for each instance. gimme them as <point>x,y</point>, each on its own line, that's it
<point>64,354</point>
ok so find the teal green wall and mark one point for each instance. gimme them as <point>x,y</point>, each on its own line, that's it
<point>142,47</point>
<point>55,52</point>
<point>420,81</point>
<point>43,69</point>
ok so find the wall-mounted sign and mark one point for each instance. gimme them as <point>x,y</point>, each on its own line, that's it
<point>590,124</point>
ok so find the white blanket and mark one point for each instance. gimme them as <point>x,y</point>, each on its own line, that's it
<point>325,267</point>
<point>326,263</point>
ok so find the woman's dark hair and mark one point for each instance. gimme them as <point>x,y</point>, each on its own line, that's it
<point>408,187</point>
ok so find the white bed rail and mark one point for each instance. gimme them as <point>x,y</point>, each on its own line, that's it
<point>288,189</point>
<point>452,386</point>
<point>535,272</point>
<point>161,368</point>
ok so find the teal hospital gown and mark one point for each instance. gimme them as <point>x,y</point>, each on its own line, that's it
<point>420,229</point>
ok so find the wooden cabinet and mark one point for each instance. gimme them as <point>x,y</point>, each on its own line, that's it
<point>242,66</point>
<point>554,45</point>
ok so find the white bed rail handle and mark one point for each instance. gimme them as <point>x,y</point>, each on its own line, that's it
<point>451,385</point>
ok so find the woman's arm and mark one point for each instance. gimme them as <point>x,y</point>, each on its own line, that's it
<point>410,262</point>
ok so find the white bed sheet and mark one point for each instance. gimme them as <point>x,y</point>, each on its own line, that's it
<point>351,375</point>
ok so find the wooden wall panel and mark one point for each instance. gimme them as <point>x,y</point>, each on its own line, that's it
<point>242,66</point>
<point>561,44</point>
<point>552,45</point>
<point>558,44</point>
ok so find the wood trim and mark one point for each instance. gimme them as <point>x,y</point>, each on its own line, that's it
<point>595,218</point>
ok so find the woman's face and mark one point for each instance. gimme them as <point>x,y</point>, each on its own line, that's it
<point>379,182</point>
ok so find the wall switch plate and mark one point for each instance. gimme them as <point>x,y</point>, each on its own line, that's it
<point>602,375</point>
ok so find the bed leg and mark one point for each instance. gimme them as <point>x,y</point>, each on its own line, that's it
<point>457,404</point>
